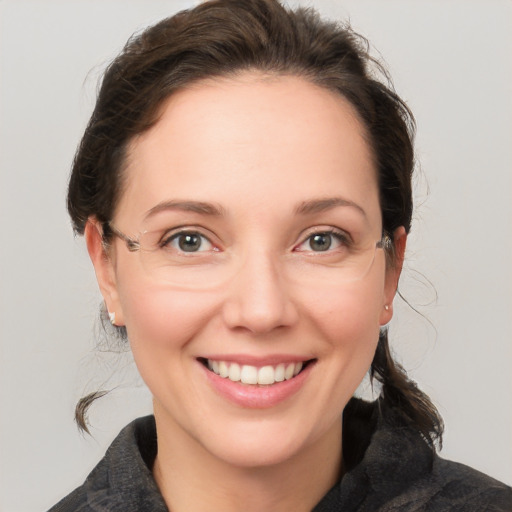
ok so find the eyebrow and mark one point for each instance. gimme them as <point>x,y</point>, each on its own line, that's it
<point>320,205</point>
<point>204,208</point>
<point>200,207</point>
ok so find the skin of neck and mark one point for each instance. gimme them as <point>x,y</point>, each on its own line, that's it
<point>191,479</point>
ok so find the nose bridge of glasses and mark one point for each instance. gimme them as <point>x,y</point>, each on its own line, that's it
<point>259,268</point>
<point>258,296</point>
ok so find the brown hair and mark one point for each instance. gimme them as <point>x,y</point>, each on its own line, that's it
<point>226,37</point>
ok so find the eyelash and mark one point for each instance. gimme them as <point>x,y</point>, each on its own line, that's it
<point>340,236</point>
<point>170,237</point>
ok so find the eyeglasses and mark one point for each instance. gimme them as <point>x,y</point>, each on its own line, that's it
<point>187,257</point>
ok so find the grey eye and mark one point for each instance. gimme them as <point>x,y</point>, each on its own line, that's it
<point>320,241</point>
<point>324,241</point>
<point>187,241</point>
<point>190,242</point>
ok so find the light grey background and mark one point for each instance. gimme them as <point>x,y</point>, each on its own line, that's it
<point>450,60</point>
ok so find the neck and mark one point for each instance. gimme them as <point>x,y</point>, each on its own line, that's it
<point>191,479</point>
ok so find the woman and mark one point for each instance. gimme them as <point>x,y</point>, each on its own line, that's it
<point>244,189</point>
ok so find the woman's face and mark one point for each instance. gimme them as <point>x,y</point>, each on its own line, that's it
<point>265,194</point>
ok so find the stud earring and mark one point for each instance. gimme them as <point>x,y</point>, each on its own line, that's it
<point>386,307</point>
<point>112,317</point>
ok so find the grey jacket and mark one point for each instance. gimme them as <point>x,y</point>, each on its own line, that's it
<point>391,469</point>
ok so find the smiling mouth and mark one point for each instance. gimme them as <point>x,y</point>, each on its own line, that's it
<point>253,375</point>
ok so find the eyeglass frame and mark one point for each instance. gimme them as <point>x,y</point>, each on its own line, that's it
<point>134,245</point>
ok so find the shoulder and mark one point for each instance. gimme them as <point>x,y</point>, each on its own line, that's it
<point>122,481</point>
<point>451,487</point>
<point>459,487</point>
<point>413,477</point>
<point>392,468</point>
<point>74,502</point>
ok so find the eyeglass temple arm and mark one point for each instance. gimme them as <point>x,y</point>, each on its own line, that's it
<point>133,245</point>
<point>385,242</point>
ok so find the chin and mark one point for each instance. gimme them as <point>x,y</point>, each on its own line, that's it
<point>259,452</point>
<point>262,442</point>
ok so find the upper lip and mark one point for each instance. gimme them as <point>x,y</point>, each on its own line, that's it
<point>258,361</point>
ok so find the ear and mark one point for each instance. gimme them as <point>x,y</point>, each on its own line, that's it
<point>393,271</point>
<point>104,268</point>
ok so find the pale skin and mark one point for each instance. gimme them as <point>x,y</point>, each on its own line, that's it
<point>258,148</point>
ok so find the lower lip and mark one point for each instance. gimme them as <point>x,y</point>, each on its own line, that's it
<point>254,396</point>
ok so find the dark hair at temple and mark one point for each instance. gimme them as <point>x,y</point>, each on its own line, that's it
<point>224,38</point>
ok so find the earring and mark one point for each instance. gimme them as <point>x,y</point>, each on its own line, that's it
<point>386,307</point>
<point>112,317</point>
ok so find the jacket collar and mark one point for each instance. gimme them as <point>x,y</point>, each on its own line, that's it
<point>380,459</point>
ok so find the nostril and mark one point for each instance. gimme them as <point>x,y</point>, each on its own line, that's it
<point>258,300</point>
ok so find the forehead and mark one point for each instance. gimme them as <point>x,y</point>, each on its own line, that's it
<point>242,139</point>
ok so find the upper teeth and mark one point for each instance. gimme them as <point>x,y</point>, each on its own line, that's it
<point>248,374</point>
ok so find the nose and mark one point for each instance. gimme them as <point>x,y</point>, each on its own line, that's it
<point>258,299</point>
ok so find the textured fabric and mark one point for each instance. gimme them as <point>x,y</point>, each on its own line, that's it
<point>389,468</point>
<point>400,472</point>
<point>122,481</point>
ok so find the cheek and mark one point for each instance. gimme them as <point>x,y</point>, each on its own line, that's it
<point>348,320</point>
<point>161,319</point>
<point>161,325</point>
<point>349,314</point>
